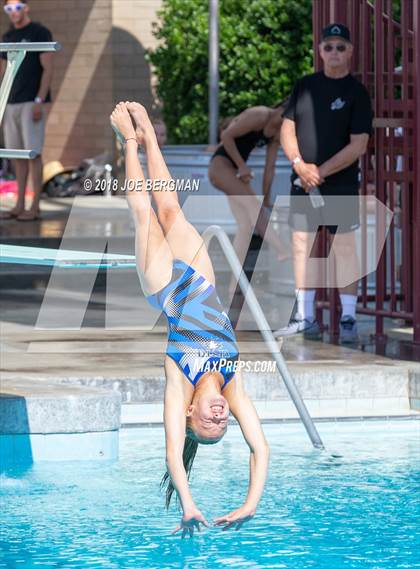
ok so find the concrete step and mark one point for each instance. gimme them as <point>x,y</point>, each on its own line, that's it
<point>44,420</point>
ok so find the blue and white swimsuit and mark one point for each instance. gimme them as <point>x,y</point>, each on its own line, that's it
<point>200,334</point>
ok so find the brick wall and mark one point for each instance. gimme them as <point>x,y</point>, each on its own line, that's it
<point>101,63</point>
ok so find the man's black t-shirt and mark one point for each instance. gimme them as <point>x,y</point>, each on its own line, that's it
<point>326,112</point>
<point>28,79</point>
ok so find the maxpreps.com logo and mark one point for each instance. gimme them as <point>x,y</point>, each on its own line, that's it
<point>336,31</point>
<point>337,104</point>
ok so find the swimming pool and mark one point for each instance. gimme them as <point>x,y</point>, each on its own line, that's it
<point>353,511</point>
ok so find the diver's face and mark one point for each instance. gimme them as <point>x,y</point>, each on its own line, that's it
<point>209,418</point>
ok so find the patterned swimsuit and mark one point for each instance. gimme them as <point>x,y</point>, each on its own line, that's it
<point>200,334</point>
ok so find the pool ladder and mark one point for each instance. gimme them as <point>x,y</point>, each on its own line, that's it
<point>264,328</point>
<point>15,55</point>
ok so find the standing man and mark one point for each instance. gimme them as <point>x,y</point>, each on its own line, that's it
<point>25,114</point>
<point>325,131</point>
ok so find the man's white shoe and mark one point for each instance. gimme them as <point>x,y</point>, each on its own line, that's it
<point>310,328</point>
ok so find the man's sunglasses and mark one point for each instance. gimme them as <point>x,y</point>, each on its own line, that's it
<point>339,47</point>
<point>9,8</point>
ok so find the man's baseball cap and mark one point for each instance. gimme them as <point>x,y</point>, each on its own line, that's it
<point>336,30</point>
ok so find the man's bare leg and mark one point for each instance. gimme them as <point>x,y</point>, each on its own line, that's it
<point>21,171</point>
<point>35,179</point>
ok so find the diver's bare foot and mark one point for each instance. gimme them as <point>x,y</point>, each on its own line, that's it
<point>121,121</point>
<point>143,125</point>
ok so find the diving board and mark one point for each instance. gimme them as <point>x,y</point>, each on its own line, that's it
<point>64,258</point>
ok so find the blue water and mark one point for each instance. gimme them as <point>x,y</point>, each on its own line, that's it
<point>353,511</point>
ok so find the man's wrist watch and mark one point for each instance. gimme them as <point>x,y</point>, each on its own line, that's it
<point>296,160</point>
<point>38,100</point>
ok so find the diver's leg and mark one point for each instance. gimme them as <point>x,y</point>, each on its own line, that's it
<point>153,254</point>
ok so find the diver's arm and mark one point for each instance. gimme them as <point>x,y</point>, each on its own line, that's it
<point>244,411</point>
<point>175,422</point>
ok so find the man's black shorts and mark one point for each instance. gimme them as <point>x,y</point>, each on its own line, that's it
<point>340,214</point>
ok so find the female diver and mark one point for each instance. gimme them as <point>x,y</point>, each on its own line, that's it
<point>177,277</point>
<point>228,172</point>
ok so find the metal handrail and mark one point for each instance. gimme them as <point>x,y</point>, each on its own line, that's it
<point>261,321</point>
<point>30,46</point>
<point>20,154</point>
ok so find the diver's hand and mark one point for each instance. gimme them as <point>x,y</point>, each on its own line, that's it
<point>191,520</point>
<point>236,518</point>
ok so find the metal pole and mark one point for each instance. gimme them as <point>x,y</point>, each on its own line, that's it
<point>213,70</point>
<point>260,319</point>
<point>416,183</point>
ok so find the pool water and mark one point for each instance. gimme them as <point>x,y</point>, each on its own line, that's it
<point>352,510</point>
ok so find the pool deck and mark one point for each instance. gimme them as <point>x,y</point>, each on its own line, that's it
<point>335,381</point>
